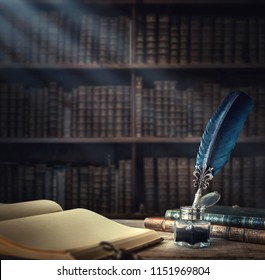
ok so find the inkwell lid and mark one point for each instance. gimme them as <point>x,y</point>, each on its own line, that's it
<point>190,213</point>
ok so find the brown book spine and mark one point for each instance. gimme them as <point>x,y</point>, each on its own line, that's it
<point>172,104</point>
<point>119,111</point>
<point>159,223</point>
<point>183,182</point>
<point>105,191</point>
<point>261,40</point>
<point>75,186</point>
<point>229,35</point>
<point>248,181</point>
<point>83,186</point>
<point>113,40</point>
<point>12,110</point>
<point>150,35</point>
<point>128,192</point>
<point>195,39</point>
<point>236,180</point>
<point>240,40</point>
<point>184,39</point>
<point>218,39</point>
<point>138,97</point>
<point>165,108</point>
<point>110,112</point>
<point>174,44</point>
<point>259,180</point>
<point>173,183</point>
<point>163,188</point>
<point>140,40</point>
<point>238,234</point>
<point>103,40</point>
<point>103,112</point>
<point>53,110</point>
<point>252,34</point>
<point>88,111</point>
<point>181,113</point>
<point>158,91</point>
<point>261,112</point>
<point>208,109</point>
<point>20,114</point>
<point>198,124</point>
<point>163,39</point>
<point>207,40</point>
<point>121,187</point>
<point>150,189</point>
<point>127,112</point>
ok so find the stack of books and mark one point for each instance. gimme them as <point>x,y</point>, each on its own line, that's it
<point>231,223</point>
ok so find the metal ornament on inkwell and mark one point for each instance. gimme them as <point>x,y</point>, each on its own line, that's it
<point>191,230</point>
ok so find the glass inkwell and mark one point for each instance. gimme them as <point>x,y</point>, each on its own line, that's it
<point>190,229</point>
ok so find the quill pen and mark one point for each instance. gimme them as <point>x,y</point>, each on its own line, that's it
<point>219,139</point>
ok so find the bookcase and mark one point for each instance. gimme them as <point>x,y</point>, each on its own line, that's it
<point>103,103</point>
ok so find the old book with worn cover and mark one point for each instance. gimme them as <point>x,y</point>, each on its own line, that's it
<point>42,230</point>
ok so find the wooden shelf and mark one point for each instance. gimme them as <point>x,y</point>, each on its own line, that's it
<point>131,66</point>
<point>120,140</point>
<point>130,2</point>
<point>204,2</point>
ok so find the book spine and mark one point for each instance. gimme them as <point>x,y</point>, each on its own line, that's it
<point>163,39</point>
<point>150,35</point>
<point>218,39</point>
<point>150,190</point>
<point>159,223</point>
<point>140,40</point>
<point>173,182</point>
<point>207,40</point>
<point>184,29</point>
<point>195,40</point>
<point>261,40</point>
<point>158,95</point>
<point>238,234</point>
<point>174,38</point>
<point>163,189</point>
<point>138,105</point>
<point>183,181</point>
<point>229,34</point>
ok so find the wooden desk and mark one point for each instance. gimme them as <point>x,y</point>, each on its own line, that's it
<point>219,249</point>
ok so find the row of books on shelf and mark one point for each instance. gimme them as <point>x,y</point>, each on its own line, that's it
<point>85,111</point>
<point>55,37</point>
<point>50,37</point>
<point>104,189</point>
<point>173,38</point>
<point>165,110</point>
<point>168,182</point>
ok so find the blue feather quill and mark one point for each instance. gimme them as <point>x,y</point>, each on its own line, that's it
<point>219,138</point>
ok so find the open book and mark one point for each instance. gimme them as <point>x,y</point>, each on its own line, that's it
<point>42,230</point>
